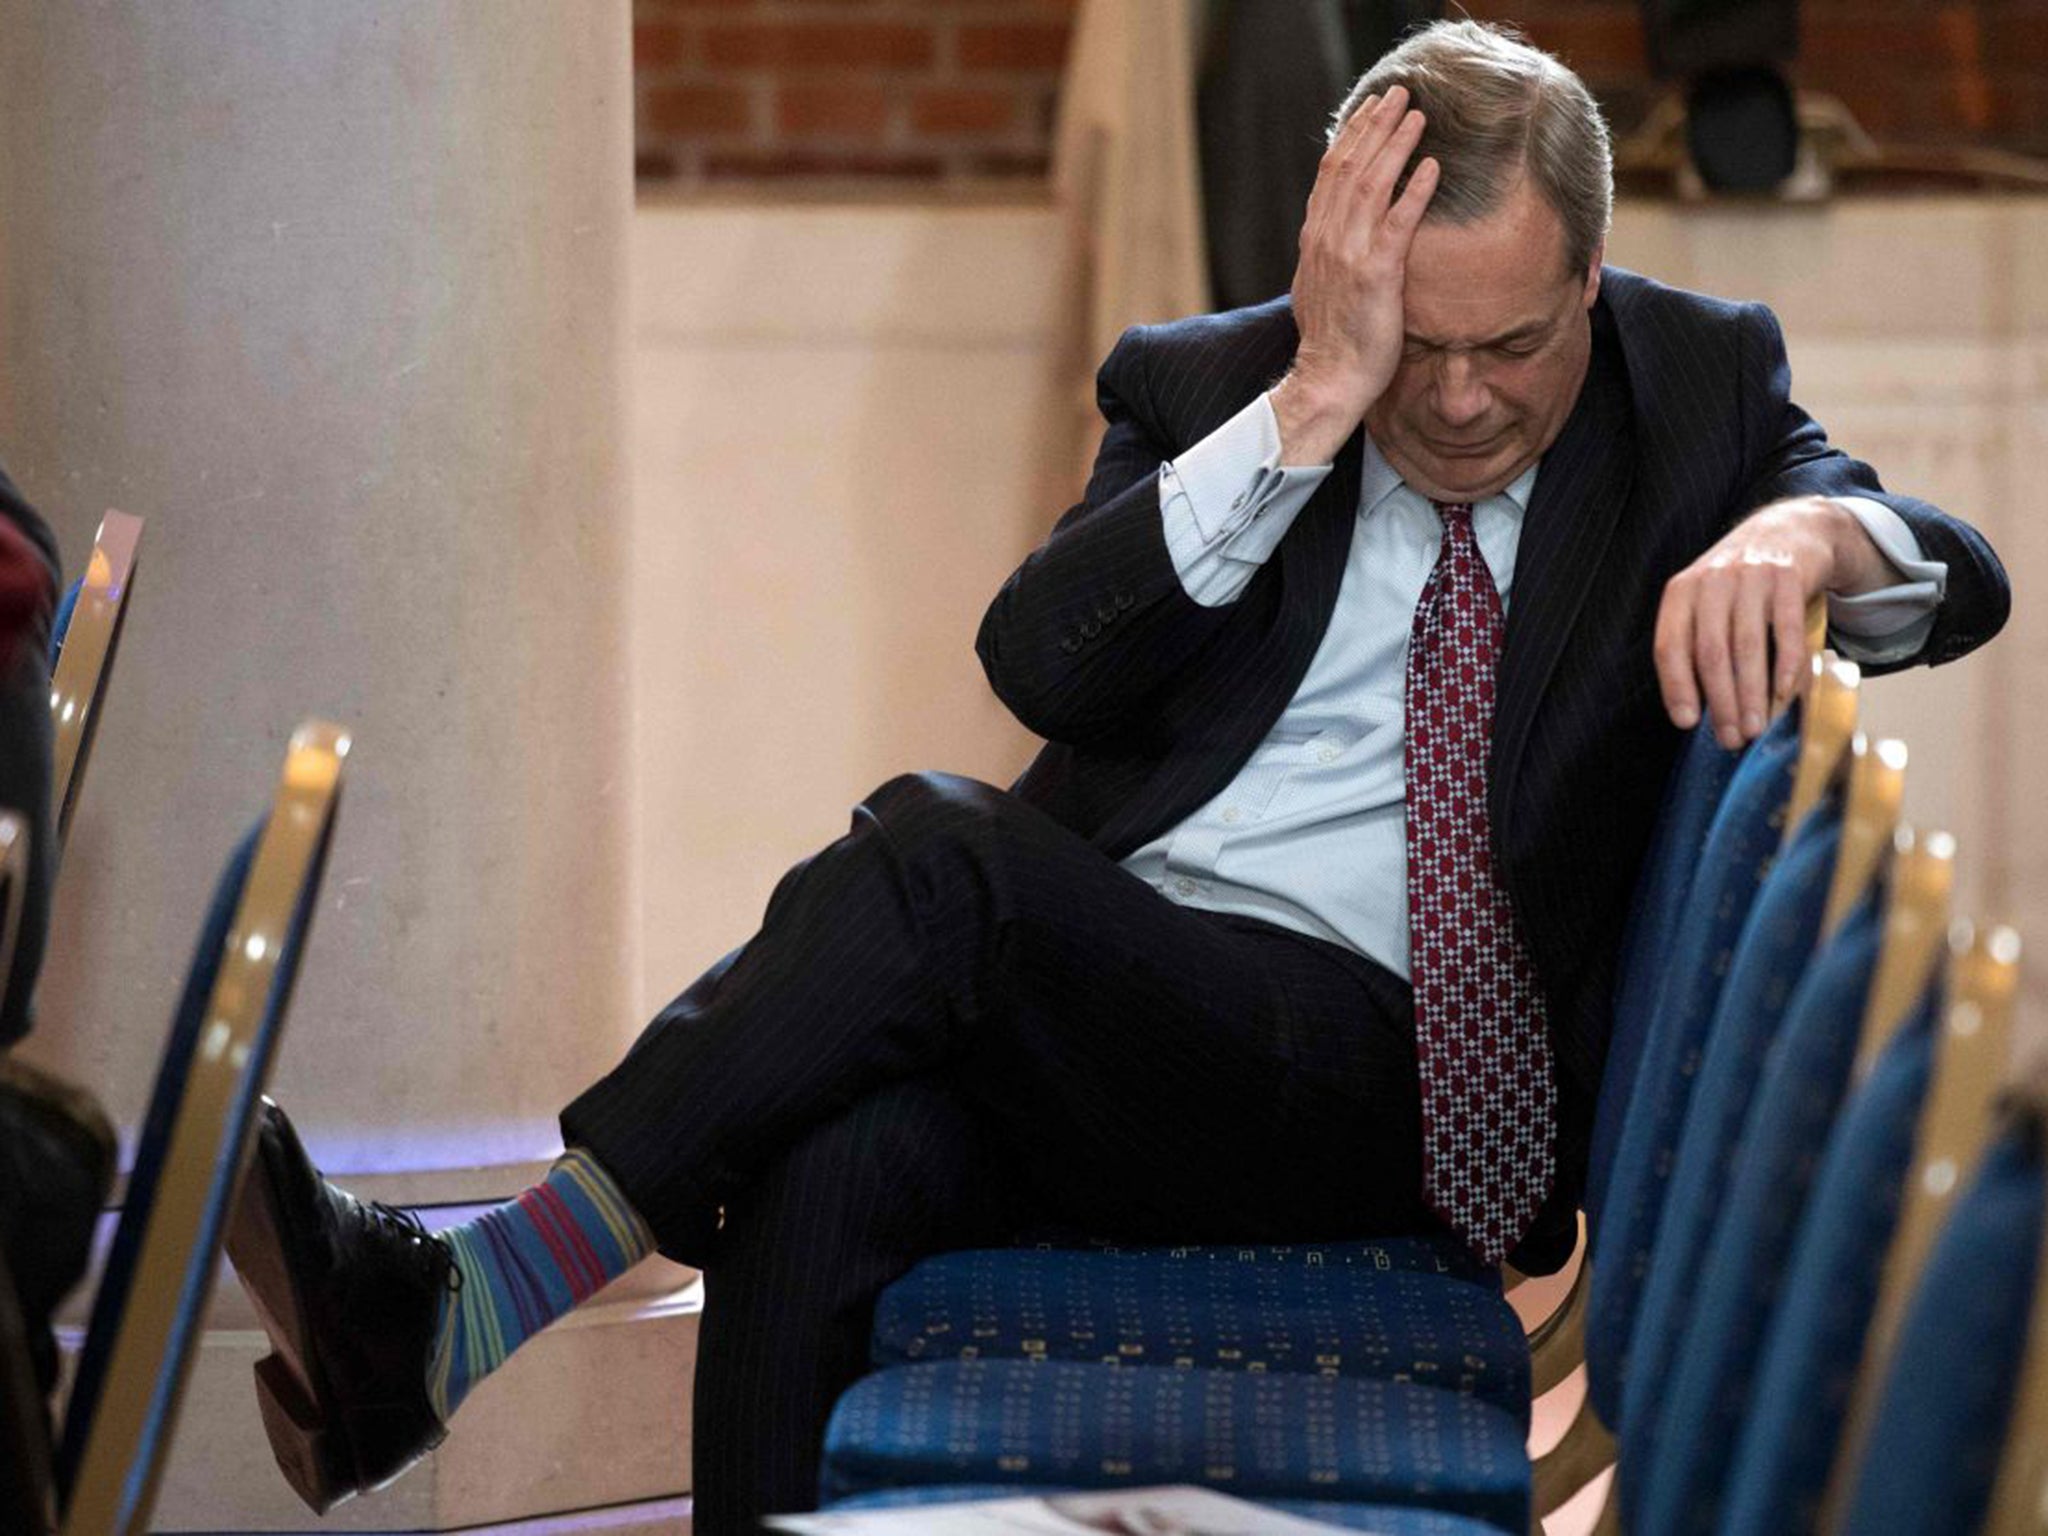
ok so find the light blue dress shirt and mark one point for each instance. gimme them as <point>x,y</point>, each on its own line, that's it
<point>1312,832</point>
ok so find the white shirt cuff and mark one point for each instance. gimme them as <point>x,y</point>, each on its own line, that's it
<point>1890,623</point>
<point>1227,502</point>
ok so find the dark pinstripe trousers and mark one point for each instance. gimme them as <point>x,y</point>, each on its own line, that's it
<point>959,1023</point>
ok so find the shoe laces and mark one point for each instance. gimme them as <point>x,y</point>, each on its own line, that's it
<point>436,1260</point>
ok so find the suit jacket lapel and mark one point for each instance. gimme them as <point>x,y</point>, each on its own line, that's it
<point>1580,492</point>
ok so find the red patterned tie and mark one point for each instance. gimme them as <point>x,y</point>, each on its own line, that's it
<point>1487,1097</point>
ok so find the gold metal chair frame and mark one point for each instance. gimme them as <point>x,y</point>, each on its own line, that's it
<point>111,1494</point>
<point>1971,1063</point>
<point>89,645</point>
<point>2019,1499</point>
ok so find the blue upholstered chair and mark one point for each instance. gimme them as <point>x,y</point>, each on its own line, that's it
<point>1747,828</point>
<point>1385,1327</point>
<point>1815,1337</point>
<point>1392,1310</point>
<point>1257,1434</point>
<point>1330,1371</point>
<point>83,641</point>
<point>194,1145</point>
<point>1769,963</point>
<point>1929,1465</point>
<point>1381,1518</point>
<point>1384,1519</point>
<point>1685,819</point>
<point>1708,1389</point>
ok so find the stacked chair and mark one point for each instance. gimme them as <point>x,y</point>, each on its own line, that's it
<point>101,1476</point>
<point>1812,1295</point>
<point>83,642</point>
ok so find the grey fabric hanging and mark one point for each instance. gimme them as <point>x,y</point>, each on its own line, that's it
<point>1273,71</point>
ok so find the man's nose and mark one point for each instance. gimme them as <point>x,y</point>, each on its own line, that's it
<point>1461,394</point>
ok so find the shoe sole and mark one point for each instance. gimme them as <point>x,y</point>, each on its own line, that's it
<point>310,1450</point>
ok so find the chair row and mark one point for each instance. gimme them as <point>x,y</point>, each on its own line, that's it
<point>1807,1107</point>
<point>99,1476</point>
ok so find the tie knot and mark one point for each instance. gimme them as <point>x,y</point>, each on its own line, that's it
<point>1456,515</point>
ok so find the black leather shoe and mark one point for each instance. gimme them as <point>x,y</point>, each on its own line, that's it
<point>348,1294</point>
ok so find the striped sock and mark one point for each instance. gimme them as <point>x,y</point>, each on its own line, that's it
<point>523,1264</point>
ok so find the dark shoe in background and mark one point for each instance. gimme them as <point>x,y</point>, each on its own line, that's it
<point>56,1171</point>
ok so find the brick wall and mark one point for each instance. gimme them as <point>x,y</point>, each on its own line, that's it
<point>912,90</point>
<point>963,90</point>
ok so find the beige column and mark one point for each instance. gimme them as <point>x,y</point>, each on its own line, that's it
<point>333,295</point>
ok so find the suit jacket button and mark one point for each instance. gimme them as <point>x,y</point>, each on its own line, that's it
<point>1070,643</point>
<point>1090,629</point>
<point>1105,611</point>
<point>1123,600</point>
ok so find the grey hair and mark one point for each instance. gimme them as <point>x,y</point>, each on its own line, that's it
<point>1495,108</point>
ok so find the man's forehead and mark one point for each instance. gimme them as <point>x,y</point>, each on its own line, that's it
<point>1481,280</point>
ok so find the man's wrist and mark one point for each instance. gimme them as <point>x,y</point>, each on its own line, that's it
<point>1859,565</point>
<point>1314,420</point>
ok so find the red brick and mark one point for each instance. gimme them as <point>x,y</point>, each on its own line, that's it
<point>696,109</point>
<point>818,44</point>
<point>780,164</point>
<point>1022,46</point>
<point>962,111</point>
<point>659,45</point>
<point>812,110</point>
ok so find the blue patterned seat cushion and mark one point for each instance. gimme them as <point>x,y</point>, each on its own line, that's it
<point>1815,1340</point>
<point>1256,1435</point>
<point>1436,1253</point>
<point>1740,849</point>
<point>1147,1308</point>
<point>1386,1519</point>
<point>1934,1446</point>
<point>1798,1094</point>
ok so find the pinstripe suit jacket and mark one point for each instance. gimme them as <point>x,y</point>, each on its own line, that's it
<point>1150,703</point>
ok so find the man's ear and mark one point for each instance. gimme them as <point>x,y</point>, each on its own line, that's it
<point>1593,273</point>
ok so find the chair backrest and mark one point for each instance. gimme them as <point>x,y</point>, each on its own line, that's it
<point>1775,953</point>
<point>82,646</point>
<point>1814,1336</point>
<point>1691,797</point>
<point>193,1150</point>
<point>1740,846</point>
<point>1932,1457</point>
<point>1949,1141</point>
<point>1803,1079</point>
<point>14,850</point>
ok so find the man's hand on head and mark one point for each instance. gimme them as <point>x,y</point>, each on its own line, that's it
<point>1348,283</point>
<point>1724,616</point>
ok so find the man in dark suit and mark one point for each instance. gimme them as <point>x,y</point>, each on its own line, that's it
<point>1361,666</point>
